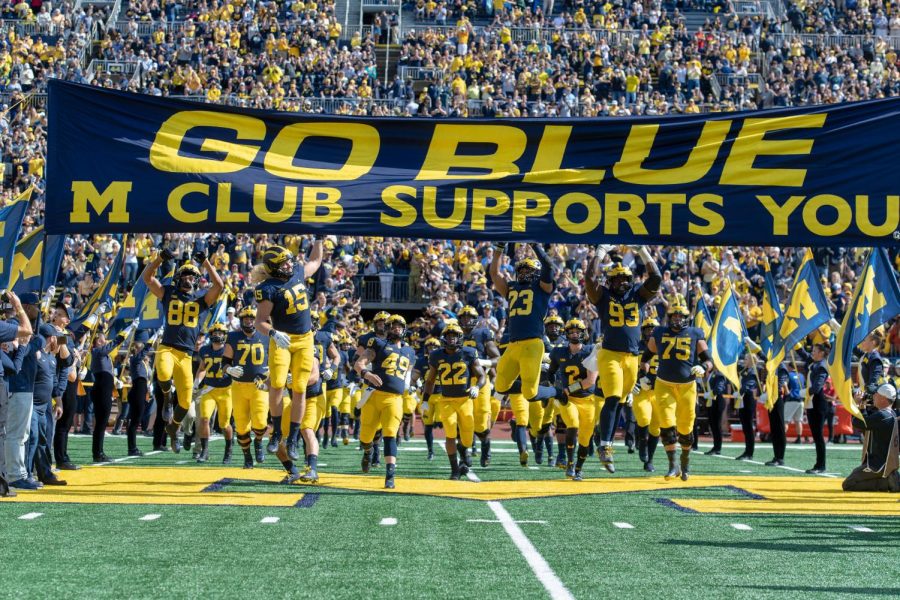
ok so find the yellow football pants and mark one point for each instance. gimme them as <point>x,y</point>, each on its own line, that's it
<point>677,404</point>
<point>296,360</point>
<point>383,410</point>
<point>617,372</point>
<point>335,397</point>
<point>345,407</point>
<point>521,359</point>
<point>172,363</point>
<point>457,415</point>
<point>483,408</point>
<point>519,406</point>
<point>433,413</point>
<point>314,410</point>
<point>409,403</point>
<point>581,414</point>
<point>217,398</point>
<point>250,406</point>
<point>645,413</point>
<point>539,416</point>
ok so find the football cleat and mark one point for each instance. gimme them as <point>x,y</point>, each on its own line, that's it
<point>310,476</point>
<point>187,442</point>
<point>333,442</point>
<point>292,452</point>
<point>685,466</point>
<point>578,476</point>
<point>673,473</point>
<point>366,461</point>
<point>570,471</point>
<point>260,455</point>
<point>538,454</point>
<point>226,460</point>
<point>431,455</point>
<point>463,469</point>
<point>346,440</point>
<point>272,446</point>
<point>648,466</point>
<point>248,460</point>
<point>389,482</point>
<point>172,432</point>
<point>291,477</point>
<point>523,458</point>
<point>485,459</point>
<point>454,475</point>
<point>606,458</point>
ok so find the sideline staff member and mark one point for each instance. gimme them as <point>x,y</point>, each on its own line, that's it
<point>878,472</point>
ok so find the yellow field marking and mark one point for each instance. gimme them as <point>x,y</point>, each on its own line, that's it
<point>166,485</point>
<point>160,485</point>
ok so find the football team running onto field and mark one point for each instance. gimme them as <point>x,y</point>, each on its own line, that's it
<point>285,363</point>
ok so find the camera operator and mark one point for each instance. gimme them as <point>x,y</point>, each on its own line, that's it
<point>878,472</point>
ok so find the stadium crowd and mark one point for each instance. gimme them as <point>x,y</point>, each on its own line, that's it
<point>599,59</point>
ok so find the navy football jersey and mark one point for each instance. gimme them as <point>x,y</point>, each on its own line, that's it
<point>290,303</point>
<point>653,364</point>
<point>316,389</point>
<point>567,369</point>
<point>477,339</point>
<point>250,352</point>
<point>183,317</point>
<point>677,353</point>
<point>363,340</point>
<point>340,374</point>
<point>323,341</point>
<point>454,371</point>
<point>620,320</point>
<point>410,353</point>
<point>212,363</point>
<point>390,364</point>
<point>527,309</point>
<point>422,367</point>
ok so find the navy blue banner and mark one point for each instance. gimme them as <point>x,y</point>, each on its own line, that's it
<point>816,176</point>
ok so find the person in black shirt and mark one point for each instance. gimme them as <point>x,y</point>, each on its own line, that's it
<point>878,471</point>
<point>817,376</point>
<point>749,395</point>
<point>140,372</point>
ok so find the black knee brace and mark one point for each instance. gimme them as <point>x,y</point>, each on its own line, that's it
<point>244,440</point>
<point>686,439</point>
<point>560,425</point>
<point>544,430</point>
<point>482,435</point>
<point>260,432</point>
<point>165,386</point>
<point>668,436</point>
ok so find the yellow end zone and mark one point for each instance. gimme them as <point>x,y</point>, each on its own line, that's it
<point>221,487</point>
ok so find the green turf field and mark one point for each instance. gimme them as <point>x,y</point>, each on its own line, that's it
<point>612,537</point>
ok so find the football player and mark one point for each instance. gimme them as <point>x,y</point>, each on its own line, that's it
<point>528,297</point>
<point>574,394</point>
<point>245,359</point>
<point>461,379</point>
<point>486,408</point>
<point>646,418</point>
<point>217,397</point>
<point>540,417</point>
<point>429,409</point>
<point>679,347</point>
<point>183,303</point>
<point>619,305</point>
<point>313,416</point>
<point>383,408</point>
<point>283,316</point>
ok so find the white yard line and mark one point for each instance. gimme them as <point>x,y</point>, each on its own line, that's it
<point>269,520</point>
<point>741,527</point>
<point>861,529</point>
<point>31,516</point>
<point>785,467</point>
<point>150,517</point>
<point>541,569</point>
<point>622,525</point>
<point>388,521</point>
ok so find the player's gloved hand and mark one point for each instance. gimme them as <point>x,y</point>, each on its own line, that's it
<point>646,386</point>
<point>424,407</point>
<point>199,256</point>
<point>282,340</point>
<point>484,362</point>
<point>629,400</point>
<point>698,371</point>
<point>473,392</point>
<point>260,382</point>
<point>500,246</point>
<point>605,248</point>
<point>165,252</point>
<point>235,371</point>
<point>327,373</point>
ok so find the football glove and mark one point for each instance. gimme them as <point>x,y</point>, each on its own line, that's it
<point>282,340</point>
<point>698,371</point>
<point>235,371</point>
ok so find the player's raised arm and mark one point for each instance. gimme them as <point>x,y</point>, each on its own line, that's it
<point>654,278</point>
<point>546,268</point>
<point>496,277</point>
<point>592,278</point>
<point>314,261</point>
<point>149,273</point>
